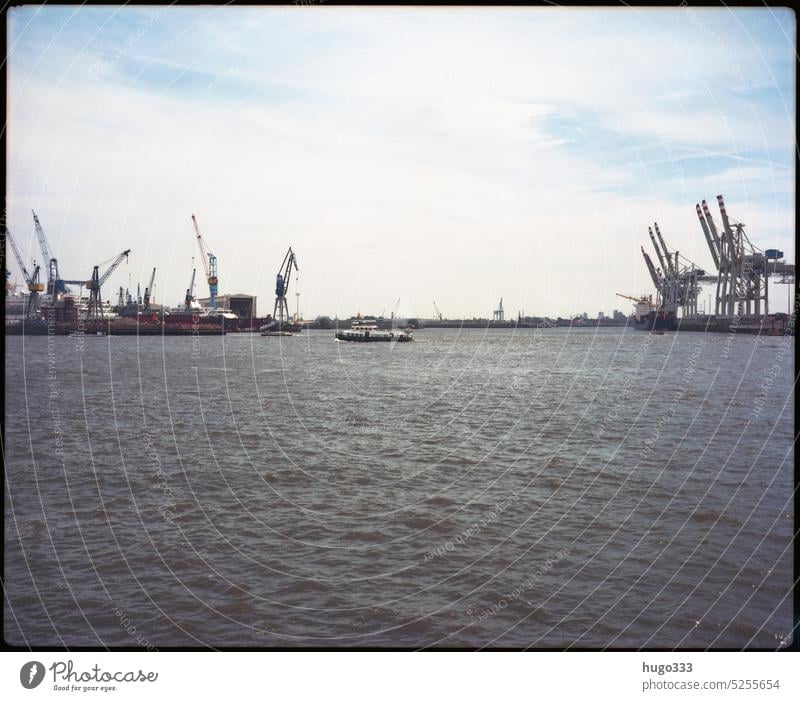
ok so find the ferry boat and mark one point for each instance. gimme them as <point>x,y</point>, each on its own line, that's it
<point>369,332</point>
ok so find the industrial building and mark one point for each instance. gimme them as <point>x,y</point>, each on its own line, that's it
<point>244,306</point>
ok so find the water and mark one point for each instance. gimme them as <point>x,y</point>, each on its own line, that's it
<point>484,488</point>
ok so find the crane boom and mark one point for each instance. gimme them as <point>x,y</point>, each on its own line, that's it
<point>35,288</point>
<point>42,240</point>
<point>32,280</point>
<point>18,256</point>
<point>204,253</point>
<point>53,277</point>
<point>148,291</point>
<point>111,268</point>
<point>712,246</point>
<point>658,250</point>
<point>713,229</point>
<point>189,298</point>
<point>651,269</point>
<point>670,267</point>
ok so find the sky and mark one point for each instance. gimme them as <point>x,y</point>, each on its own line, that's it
<point>410,156</point>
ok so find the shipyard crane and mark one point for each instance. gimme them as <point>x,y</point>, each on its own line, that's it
<point>35,287</point>
<point>438,313</point>
<point>743,270</point>
<point>280,312</point>
<point>209,265</point>
<point>95,308</point>
<point>499,314</point>
<point>148,291</point>
<point>55,284</point>
<point>189,297</point>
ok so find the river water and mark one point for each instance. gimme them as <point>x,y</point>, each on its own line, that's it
<point>533,488</point>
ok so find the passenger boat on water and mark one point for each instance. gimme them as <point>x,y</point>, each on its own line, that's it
<point>368,332</point>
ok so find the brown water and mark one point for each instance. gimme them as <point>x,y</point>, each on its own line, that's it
<point>483,488</point>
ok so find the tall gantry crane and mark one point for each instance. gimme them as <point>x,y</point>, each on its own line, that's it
<point>676,281</point>
<point>209,265</point>
<point>35,287</point>
<point>280,312</point>
<point>499,313</point>
<point>743,269</point>
<point>55,284</point>
<point>438,313</point>
<point>95,308</point>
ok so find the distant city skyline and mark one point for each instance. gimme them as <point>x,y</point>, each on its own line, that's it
<point>447,156</point>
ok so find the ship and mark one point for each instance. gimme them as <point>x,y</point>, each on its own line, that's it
<point>276,327</point>
<point>367,331</point>
<point>68,315</point>
<point>648,316</point>
<point>657,320</point>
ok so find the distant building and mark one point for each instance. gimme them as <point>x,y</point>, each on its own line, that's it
<point>601,315</point>
<point>618,315</point>
<point>244,306</point>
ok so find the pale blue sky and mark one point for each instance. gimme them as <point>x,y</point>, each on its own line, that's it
<point>455,155</point>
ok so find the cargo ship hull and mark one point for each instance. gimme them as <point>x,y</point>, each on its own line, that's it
<point>114,327</point>
<point>656,321</point>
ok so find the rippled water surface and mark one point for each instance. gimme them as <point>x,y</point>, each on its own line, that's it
<point>475,488</point>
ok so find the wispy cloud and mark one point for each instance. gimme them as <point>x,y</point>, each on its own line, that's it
<point>441,145</point>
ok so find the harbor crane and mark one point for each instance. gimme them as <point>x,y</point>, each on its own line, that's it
<point>499,314</point>
<point>438,313</point>
<point>743,269</point>
<point>209,265</point>
<point>189,297</point>
<point>95,308</point>
<point>55,285</point>
<point>675,282</point>
<point>280,312</point>
<point>35,287</point>
<point>148,292</point>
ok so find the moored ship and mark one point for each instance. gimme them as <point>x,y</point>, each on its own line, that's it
<point>648,316</point>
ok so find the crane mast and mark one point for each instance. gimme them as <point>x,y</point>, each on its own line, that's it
<point>209,265</point>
